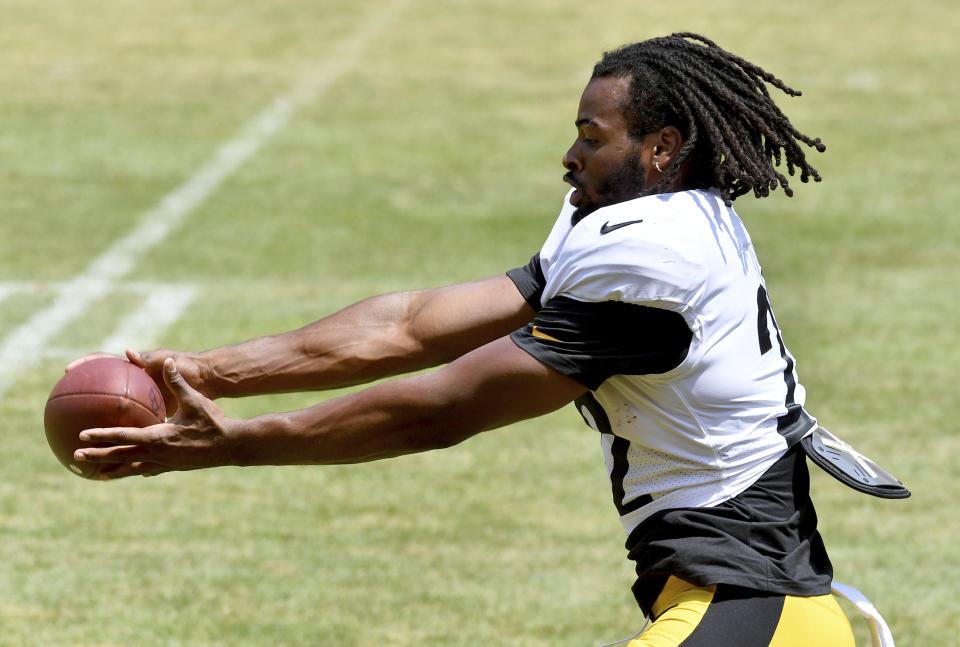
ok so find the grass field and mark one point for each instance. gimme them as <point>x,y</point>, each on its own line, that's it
<point>422,147</point>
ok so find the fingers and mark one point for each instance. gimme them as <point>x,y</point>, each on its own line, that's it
<point>152,363</point>
<point>124,451</point>
<point>113,454</point>
<point>140,359</point>
<point>126,444</point>
<point>187,397</point>
<point>172,375</point>
<point>149,360</point>
<point>189,442</point>
<point>138,468</point>
<point>119,435</point>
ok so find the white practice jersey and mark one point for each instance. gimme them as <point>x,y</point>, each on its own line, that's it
<point>697,433</point>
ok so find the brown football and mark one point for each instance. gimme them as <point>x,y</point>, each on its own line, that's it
<point>103,392</point>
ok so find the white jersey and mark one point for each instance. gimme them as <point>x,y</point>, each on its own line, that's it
<point>701,433</point>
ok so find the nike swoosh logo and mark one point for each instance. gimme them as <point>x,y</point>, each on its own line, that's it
<point>607,227</point>
<point>536,332</point>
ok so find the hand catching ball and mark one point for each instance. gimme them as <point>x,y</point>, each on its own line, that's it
<point>103,392</point>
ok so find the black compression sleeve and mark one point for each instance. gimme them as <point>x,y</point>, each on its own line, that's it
<point>530,281</point>
<point>591,342</point>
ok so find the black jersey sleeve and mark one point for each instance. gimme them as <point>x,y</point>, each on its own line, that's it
<point>530,281</point>
<point>591,342</point>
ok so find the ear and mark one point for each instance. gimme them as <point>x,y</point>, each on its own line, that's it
<point>667,142</point>
<point>660,151</point>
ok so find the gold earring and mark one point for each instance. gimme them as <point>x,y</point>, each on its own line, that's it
<point>657,164</point>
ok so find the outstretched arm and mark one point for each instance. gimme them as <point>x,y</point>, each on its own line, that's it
<point>379,337</point>
<point>490,387</point>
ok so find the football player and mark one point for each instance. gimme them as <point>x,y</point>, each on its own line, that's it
<point>646,306</point>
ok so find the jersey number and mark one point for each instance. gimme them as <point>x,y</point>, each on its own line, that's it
<point>795,422</point>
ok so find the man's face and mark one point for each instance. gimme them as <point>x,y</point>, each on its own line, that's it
<point>605,165</point>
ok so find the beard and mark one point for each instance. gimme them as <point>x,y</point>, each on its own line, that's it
<point>624,183</point>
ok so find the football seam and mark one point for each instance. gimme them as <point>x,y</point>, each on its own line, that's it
<point>116,395</point>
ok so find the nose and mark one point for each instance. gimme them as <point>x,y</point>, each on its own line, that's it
<point>571,161</point>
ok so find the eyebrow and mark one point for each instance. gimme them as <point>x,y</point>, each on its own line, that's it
<point>586,122</point>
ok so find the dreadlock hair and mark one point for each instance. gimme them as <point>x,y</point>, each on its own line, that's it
<point>735,134</point>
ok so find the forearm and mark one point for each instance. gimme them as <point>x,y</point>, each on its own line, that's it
<point>380,422</point>
<point>375,338</point>
<point>363,342</point>
<point>490,387</point>
<point>476,393</point>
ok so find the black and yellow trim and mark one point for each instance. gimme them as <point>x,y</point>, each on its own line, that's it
<point>687,615</point>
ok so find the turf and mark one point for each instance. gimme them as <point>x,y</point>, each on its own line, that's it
<point>435,159</point>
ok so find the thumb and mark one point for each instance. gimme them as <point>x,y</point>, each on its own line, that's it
<point>186,395</point>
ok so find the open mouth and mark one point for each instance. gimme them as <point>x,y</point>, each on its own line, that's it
<point>578,190</point>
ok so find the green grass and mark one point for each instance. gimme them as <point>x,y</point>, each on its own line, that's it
<point>436,160</point>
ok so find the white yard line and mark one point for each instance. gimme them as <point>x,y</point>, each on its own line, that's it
<point>24,346</point>
<point>158,306</point>
<point>162,306</point>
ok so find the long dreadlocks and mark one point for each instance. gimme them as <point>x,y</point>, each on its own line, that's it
<point>735,134</point>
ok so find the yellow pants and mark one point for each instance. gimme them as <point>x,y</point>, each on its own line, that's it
<point>690,616</point>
